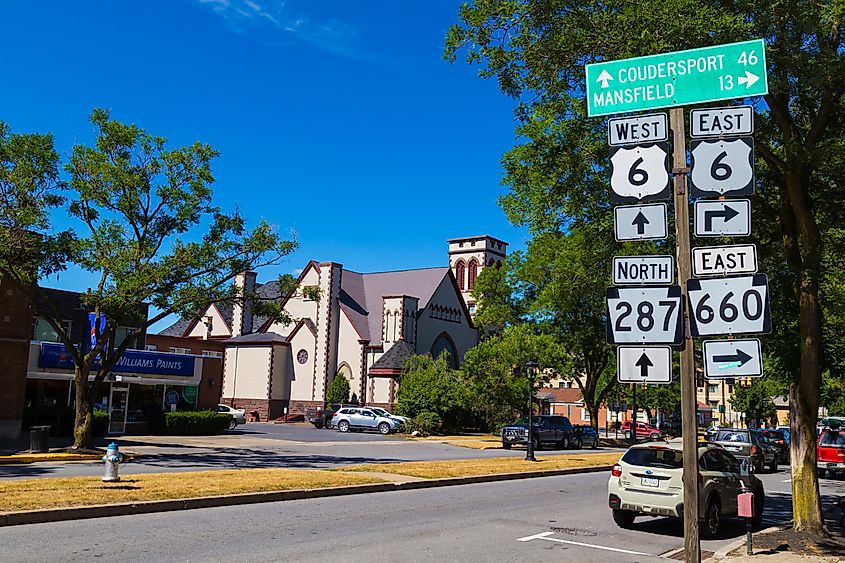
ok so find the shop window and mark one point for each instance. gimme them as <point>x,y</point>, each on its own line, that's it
<point>150,347</point>
<point>43,332</point>
<point>212,354</point>
<point>174,350</point>
<point>121,333</point>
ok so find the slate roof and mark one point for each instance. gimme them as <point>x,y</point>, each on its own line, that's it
<point>395,357</point>
<point>258,338</point>
<point>560,395</point>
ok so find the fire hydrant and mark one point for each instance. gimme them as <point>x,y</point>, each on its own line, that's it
<point>113,459</point>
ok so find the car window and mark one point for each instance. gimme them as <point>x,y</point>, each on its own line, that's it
<point>730,461</point>
<point>368,413</point>
<point>654,457</point>
<point>832,439</point>
<point>714,462</point>
<point>221,408</point>
<point>731,436</point>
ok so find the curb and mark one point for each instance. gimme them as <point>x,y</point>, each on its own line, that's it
<point>148,507</point>
<point>40,458</point>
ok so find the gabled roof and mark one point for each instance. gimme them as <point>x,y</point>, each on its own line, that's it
<point>393,361</point>
<point>258,338</point>
<point>560,395</point>
<point>183,326</point>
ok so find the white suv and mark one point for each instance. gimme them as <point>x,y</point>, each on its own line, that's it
<point>347,419</point>
<point>647,481</point>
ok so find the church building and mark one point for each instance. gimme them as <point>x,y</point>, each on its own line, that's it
<point>363,325</point>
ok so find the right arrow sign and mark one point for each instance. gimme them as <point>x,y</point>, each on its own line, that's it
<point>730,218</point>
<point>732,358</point>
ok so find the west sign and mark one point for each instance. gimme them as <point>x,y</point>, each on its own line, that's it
<point>694,76</point>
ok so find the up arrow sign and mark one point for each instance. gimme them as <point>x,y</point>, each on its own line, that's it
<point>749,79</point>
<point>604,77</point>
<point>644,363</point>
<point>640,222</point>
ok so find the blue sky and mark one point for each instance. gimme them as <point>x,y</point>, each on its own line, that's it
<point>336,119</point>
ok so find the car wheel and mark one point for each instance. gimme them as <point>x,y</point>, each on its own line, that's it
<point>627,434</point>
<point>712,524</point>
<point>565,443</point>
<point>595,442</point>
<point>821,473</point>
<point>384,428</point>
<point>536,443</point>
<point>623,518</point>
<point>233,424</point>
<point>343,426</point>
<point>654,435</point>
<point>579,443</point>
<point>318,425</point>
<point>506,445</point>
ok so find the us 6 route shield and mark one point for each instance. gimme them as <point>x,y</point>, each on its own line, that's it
<point>722,167</point>
<point>737,305</point>
<point>639,173</point>
<point>694,76</point>
<point>644,315</point>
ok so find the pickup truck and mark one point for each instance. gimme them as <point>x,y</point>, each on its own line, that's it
<point>549,430</point>
<point>321,417</point>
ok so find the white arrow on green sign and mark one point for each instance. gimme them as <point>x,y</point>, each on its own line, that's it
<point>695,76</point>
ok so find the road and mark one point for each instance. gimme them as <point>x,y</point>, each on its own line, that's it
<point>482,522</point>
<point>296,446</point>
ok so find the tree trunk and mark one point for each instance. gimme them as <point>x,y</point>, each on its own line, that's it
<point>803,415</point>
<point>83,428</point>
<point>594,416</point>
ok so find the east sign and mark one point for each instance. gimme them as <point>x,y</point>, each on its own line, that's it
<point>694,76</point>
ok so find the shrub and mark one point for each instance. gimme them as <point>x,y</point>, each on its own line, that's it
<point>426,423</point>
<point>101,423</point>
<point>196,423</point>
<point>338,390</point>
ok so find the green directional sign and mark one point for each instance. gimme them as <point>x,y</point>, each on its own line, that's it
<point>695,76</point>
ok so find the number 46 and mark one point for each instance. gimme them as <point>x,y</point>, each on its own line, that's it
<point>747,58</point>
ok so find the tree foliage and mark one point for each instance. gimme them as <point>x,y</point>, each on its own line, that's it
<point>143,225</point>
<point>558,178</point>
<point>338,391</point>
<point>432,386</point>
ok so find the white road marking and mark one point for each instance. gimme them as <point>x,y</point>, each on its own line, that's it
<point>545,536</point>
<point>786,481</point>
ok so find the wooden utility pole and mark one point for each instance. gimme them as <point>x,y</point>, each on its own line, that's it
<point>689,418</point>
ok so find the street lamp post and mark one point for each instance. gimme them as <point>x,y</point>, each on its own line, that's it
<point>531,368</point>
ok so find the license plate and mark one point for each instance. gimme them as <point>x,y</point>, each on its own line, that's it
<point>650,482</point>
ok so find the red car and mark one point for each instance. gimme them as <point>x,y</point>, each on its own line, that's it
<point>831,451</point>
<point>643,430</point>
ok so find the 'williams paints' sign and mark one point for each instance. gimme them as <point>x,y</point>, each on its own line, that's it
<point>132,361</point>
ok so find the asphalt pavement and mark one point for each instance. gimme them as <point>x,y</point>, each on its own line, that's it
<point>260,445</point>
<point>543,519</point>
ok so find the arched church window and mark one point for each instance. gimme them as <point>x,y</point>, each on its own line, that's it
<point>459,274</point>
<point>472,273</point>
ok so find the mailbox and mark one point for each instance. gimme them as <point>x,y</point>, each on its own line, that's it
<point>745,505</point>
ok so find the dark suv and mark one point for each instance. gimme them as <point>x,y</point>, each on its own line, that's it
<point>321,417</point>
<point>549,430</point>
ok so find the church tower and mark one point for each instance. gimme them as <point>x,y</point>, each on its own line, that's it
<point>468,256</point>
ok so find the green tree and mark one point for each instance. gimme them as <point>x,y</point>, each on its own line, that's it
<point>338,390</point>
<point>134,202</point>
<point>431,385</point>
<point>537,49</point>
<point>495,377</point>
<point>497,304</point>
<point>755,401</point>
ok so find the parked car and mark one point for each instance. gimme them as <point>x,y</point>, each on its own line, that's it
<point>321,417</point>
<point>382,412</point>
<point>780,441</point>
<point>648,481</point>
<point>347,419</point>
<point>238,415</point>
<point>549,430</point>
<point>585,435</point>
<point>830,452</point>
<point>749,444</point>
<point>643,430</point>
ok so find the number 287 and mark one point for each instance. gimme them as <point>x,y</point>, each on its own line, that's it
<point>644,315</point>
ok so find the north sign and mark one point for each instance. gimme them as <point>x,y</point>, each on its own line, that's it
<point>637,130</point>
<point>644,364</point>
<point>641,222</point>
<point>725,359</point>
<point>724,260</point>
<point>721,122</point>
<point>694,76</point>
<point>722,167</point>
<point>639,173</point>
<point>731,218</point>
<point>737,305</point>
<point>644,315</point>
<point>643,270</point>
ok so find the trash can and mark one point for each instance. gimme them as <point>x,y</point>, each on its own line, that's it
<point>38,439</point>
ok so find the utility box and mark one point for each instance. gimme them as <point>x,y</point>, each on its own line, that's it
<point>745,505</point>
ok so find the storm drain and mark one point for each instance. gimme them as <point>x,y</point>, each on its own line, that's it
<point>573,531</point>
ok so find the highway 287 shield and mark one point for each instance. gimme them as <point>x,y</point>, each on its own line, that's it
<point>644,315</point>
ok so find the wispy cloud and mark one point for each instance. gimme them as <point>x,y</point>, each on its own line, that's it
<point>271,20</point>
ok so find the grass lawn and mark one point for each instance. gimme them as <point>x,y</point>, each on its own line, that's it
<point>489,466</point>
<point>32,494</point>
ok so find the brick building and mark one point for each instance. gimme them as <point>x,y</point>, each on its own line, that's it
<point>15,327</point>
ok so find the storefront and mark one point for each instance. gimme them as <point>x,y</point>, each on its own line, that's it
<point>141,385</point>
